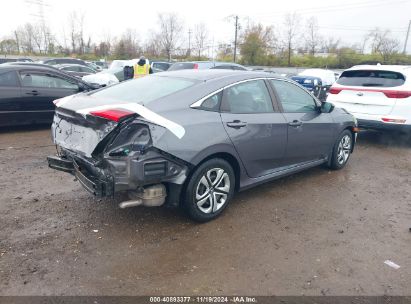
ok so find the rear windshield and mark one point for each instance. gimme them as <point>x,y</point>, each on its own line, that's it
<point>371,78</point>
<point>144,90</point>
<point>181,66</point>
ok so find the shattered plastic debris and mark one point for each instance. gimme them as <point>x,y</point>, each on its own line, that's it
<point>392,264</point>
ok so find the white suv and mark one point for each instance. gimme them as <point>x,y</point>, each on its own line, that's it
<point>379,96</point>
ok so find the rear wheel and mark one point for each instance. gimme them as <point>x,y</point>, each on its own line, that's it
<point>342,150</point>
<point>209,190</point>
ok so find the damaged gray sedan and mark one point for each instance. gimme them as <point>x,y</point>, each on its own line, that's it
<point>193,138</point>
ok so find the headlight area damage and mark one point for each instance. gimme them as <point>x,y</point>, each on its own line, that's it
<point>111,151</point>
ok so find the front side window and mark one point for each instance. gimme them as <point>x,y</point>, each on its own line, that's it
<point>86,70</point>
<point>294,99</point>
<point>8,79</point>
<point>247,97</point>
<point>45,81</point>
<point>144,90</point>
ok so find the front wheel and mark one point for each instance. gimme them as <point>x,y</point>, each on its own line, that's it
<point>342,150</point>
<point>209,190</point>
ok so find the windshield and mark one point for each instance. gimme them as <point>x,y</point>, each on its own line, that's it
<point>371,78</point>
<point>144,90</point>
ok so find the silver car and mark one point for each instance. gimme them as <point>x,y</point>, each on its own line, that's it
<point>193,138</point>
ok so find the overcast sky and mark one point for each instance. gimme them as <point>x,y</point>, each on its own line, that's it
<point>349,20</point>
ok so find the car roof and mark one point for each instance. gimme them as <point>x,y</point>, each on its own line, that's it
<point>23,65</point>
<point>68,65</point>
<point>383,67</point>
<point>211,74</point>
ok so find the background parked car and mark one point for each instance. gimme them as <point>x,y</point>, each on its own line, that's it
<point>75,69</point>
<point>160,66</point>
<point>55,61</point>
<point>28,91</point>
<point>5,60</point>
<point>379,96</point>
<point>312,84</point>
<point>200,65</point>
<point>102,64</point>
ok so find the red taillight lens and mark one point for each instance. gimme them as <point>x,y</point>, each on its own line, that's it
<point>195,66</point>
<point>112,114</point>
<point>393,120</point>
<point>397,94</point>
<point>334,90</point>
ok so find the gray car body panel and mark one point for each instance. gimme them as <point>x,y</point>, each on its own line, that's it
<point>266,149</point>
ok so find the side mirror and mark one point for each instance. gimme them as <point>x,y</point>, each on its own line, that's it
<point>326,107</point>
<point>82,87</point>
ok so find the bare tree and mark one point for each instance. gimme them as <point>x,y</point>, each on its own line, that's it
<point>76,30</point>
<point>291,24</point>
<point>330,45</point>
<point>170,31</point>
<point>200,37</point>
<point>153,45</point>
<point>312,37</point>
<point>383,43</point>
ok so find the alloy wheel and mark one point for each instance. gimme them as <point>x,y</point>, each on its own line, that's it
<point>344,149</point>
<point>212,190</point>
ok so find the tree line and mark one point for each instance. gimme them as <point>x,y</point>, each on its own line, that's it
<point>292,42</point>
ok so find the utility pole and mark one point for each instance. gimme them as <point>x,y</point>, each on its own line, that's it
<point>235,37</point>
<point>406,38</point>
<point>189,43</point>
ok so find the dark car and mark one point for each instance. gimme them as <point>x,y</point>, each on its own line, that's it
<point>200,65</point>
<point>27,92</point>
<point>75,69</point>
<point>55,61</point>
<point>193,138</point>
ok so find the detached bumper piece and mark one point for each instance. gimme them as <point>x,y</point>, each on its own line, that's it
<point>90,182</point>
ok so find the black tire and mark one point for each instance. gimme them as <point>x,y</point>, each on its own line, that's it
<point>214,200</point>
<point>340,158</point>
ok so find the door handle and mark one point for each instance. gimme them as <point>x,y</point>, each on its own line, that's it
<point>295,123</point>
<point>34,93</point>
<point>236,124</point>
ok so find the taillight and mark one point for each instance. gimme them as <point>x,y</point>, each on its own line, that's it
<point>334,90</point>
<point>195,66</point>
<point>388,93</point>
<point>393,120</point>
<point>112,114</point>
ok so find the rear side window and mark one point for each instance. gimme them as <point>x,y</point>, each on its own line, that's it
<point>144,90</point>
<point>371,78</point>
<point>9,79</point>
<point>247,97</point>
<point>212,103</point>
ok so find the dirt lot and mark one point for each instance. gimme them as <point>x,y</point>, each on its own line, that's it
<point>315,233</point>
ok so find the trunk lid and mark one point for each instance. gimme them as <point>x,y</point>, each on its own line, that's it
<point>360,100</point>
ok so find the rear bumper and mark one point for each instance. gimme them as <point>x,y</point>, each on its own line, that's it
<point>379,125</point>
<point>122,174</point>
<point>97,185</point>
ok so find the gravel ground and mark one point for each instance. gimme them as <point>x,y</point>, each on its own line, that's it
<point>319,232</point>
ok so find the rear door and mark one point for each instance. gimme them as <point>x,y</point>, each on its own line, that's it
<point>10,98</point>
<point>39,89</point>
<point>256,128</point>
<point>366,91</point>
<point>310,132</point>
